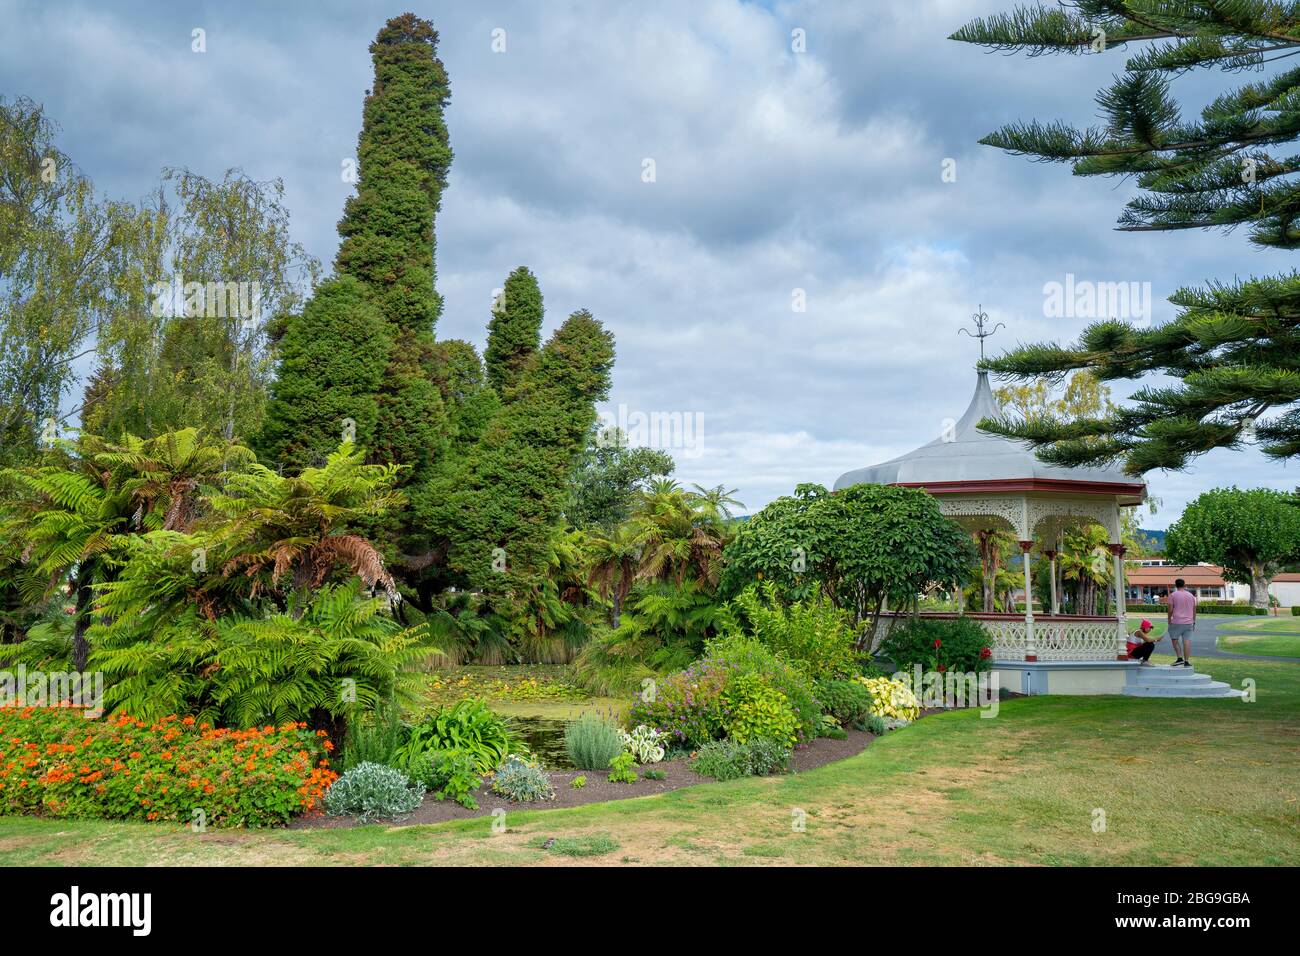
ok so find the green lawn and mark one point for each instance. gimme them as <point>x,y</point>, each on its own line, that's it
<point>1268,636</point>
<point>1179,781</point>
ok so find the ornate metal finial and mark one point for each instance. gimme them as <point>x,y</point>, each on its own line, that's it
<point>981,332</point>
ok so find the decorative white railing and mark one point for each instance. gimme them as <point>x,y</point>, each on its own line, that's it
<point>1055,638</point>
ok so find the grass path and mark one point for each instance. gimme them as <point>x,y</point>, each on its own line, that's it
<point>1179,782</point>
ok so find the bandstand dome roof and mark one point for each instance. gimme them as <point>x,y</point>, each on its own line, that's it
<point>967,459</point>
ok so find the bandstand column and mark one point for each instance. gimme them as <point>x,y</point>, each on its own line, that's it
<point>1031,650</point>
<point>1051,557</point>
<point>1121,608</point>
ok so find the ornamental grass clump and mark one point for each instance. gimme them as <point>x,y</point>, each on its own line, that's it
<point>54,762</point>
<point>592,741</point>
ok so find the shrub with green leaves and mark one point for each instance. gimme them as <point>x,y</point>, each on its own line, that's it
<point>740,654</point>
<point>592,741</point>
<point>848,701</point>
<point>620,768</point>
<point>751,707</point>
<point>685,705</point>
<point>448,774</point>
<point>371,791</point>
<point>963,645</point>
<point>731,759</point>
<point>518,780</point>
<point>469,726</point>
<point>813,633</point>
<point>767,756</point>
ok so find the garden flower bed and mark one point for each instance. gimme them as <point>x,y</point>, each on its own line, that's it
<point>54,762</point>
<point>677,774</point>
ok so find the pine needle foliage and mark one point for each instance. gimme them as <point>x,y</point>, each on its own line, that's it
<point>1233,348</point>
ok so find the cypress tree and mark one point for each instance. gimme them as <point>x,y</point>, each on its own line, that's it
<point>403,155</point>
<point>1233,349</point>
<point>388,236</point>
<point>332,361</point>
<point>511,489</point>
<point>515,330</point>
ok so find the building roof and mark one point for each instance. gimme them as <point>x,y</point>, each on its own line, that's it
<point>964,455</point>
<point>1195,575</point>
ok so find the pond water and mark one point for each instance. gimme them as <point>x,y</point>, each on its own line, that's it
<point>540,724</point>
<point>545,738</point>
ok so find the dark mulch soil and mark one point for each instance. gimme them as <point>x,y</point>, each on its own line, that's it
<point>819,752</point>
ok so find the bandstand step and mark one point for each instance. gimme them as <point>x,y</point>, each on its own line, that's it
<point>1163,680</point>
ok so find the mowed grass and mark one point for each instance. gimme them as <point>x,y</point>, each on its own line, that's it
<point>1049,780</point>
<point>1268,645</point>
<point>1267,636</point>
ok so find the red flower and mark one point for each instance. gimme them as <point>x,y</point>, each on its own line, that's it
<point>937,642</point>
<point>942,668</point>
<point>986,653</point>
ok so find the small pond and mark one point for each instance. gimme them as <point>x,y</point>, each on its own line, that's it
<point>540,724</point>
<point>545,738</point>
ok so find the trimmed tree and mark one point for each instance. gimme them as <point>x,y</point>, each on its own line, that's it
<point>332,362</point>
<point>501,506</point>
<point>403,156</point>
<point>1251,533</point>
<point>514,331</point>
<point>1233,348</point>
<point>860,547</point>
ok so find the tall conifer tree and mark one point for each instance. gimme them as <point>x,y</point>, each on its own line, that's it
<point>515,330</point>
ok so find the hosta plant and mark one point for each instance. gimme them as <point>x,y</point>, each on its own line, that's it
<point>645,743</point>
<point>891,699</point>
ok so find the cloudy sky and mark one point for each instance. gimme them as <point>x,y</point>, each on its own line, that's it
<point>780,177</point>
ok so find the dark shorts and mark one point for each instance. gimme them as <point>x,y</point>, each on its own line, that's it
<point>1142,652</point>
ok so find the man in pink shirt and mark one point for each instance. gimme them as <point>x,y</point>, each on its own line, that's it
<point>1182,619</point>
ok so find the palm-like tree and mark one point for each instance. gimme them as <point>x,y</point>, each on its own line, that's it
<point>170,473</point>
<point>681,536</point>
<point>615,560</point>
<point>267,526</point>
<point>69,516</point>
<point>718,500</point>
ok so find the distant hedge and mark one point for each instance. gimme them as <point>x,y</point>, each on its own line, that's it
<point>1207,607</point>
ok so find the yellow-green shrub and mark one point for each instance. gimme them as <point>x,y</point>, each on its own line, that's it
<point>891,698</point>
